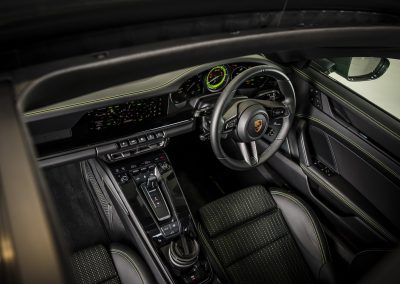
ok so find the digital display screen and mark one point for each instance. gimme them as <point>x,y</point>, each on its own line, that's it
<point>130,113</point>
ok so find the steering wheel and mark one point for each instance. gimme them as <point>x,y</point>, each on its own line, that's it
<point>247,120</point>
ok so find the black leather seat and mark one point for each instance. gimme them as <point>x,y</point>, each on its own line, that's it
<point>120,264</point>
<point>258,236</point>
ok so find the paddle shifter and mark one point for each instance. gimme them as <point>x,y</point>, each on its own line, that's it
<point>151,189</point>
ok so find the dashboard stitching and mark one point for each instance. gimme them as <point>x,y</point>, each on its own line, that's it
<point>112,97</point>
<point>178,76</point>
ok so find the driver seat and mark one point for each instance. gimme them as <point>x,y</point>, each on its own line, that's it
<point>260,236</point>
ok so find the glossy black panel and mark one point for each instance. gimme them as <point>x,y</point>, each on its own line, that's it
<point>132,173</point>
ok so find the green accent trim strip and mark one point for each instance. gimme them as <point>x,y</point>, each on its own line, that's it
<point>346,102</point>
<point>363,215</point>
<point>384,166</point>
<point>51,109</point>
<point>300,204</point>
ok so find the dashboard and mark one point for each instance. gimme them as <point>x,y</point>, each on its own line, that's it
<point>138,112</point>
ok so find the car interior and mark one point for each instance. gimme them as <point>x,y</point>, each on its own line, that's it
<point>219,158</point>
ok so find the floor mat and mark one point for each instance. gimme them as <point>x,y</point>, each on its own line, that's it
<point>78,215</point>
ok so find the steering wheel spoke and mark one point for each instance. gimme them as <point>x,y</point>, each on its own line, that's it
<point>250,157</point>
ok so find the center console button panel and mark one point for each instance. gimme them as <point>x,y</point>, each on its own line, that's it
<point>152,190</point>
<point>139,144</point>
<point>138,178</point>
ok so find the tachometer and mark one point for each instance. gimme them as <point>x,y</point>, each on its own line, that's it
<point>217,78</point>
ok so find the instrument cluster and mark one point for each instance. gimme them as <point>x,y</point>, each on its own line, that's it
<point>215,80</point>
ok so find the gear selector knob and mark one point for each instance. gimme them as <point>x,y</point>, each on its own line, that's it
<point>154,195</point>
<point>151,182</point>
<point>153,178</point>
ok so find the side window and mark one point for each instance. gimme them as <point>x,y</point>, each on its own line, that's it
<point>375,79</point>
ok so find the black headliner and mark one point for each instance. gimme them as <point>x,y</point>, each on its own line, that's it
<point>177,34</point>
<point>43,35</point>
<point>30,19</point>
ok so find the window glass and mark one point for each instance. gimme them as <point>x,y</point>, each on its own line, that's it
<point>375,79</point>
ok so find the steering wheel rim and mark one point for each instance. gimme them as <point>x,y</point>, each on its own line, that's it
<point>219,117</point>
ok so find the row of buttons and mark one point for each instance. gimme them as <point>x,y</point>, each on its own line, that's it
<point>140,175</point>
<point>141,139</point>
<point>137,150</point>
<point>170,229</point>
<point>315,98</point>
<point>139,172</point>
<point>230,124</point>
<point>141,166</point>
<point>162,238</point>
<point>276,112</point>
<point>324,169</point>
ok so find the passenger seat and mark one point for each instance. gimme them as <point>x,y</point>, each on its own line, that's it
<point>95,265</point>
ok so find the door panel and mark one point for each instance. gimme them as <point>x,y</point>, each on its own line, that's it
<point>349,153</point>
<point>351,110</point>
<point>365,185</point>
<point>341,217</point>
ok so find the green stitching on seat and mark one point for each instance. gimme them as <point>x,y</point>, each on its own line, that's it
<point>349,104</point>
<point>363,215</point>
<point>387,168</point>
<point>295,200</point>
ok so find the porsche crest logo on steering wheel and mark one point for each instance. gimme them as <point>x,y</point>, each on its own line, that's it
<point>258,125</point>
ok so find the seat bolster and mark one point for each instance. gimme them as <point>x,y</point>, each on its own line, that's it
<point>308,234</point>
<point>130,266</point>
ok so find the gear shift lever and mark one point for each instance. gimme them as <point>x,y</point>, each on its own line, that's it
<point>151,190</point>
<point>153,179</point>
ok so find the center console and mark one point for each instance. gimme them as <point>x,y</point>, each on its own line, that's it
<point>152,190</point>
